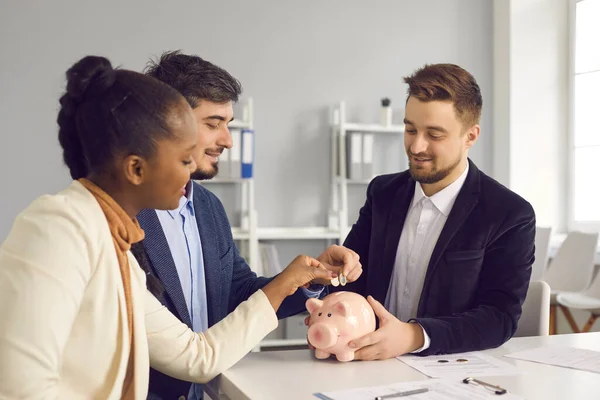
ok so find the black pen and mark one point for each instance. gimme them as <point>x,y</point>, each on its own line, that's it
<point>402,394</point>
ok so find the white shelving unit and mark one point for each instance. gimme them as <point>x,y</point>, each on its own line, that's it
<point>372,128</point>
<point>283,342</point>
<point>340,128</point>
<point>338,224</point>
<point>299,233</point>
<point>246,232</point>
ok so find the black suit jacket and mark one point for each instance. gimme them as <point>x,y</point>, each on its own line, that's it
<point>229,279</point>
<point>479,271</point>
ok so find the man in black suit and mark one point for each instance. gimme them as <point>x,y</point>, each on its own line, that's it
<point>444,247</point>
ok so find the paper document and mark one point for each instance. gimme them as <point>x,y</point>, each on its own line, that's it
<point>459,365</point>
<point>439,389</point>
<point>587,360</point>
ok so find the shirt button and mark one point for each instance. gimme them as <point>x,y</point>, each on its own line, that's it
<point>413,260</point>
<point>406,291</point>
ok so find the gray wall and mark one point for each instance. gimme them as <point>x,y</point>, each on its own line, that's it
<point>296,59</point>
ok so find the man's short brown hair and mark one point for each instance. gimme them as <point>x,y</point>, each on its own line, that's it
<point>448,82</point>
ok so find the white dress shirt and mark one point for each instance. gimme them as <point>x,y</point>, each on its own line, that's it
<point>424,222</point>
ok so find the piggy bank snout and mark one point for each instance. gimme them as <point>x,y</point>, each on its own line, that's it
<point>322,335</point>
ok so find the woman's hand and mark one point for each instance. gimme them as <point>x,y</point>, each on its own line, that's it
<point>302,271</point>
<point>299,273</point>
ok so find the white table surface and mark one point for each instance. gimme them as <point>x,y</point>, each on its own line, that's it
<point>295,374</point>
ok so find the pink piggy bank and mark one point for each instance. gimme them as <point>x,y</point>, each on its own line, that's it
<point>336,320</point>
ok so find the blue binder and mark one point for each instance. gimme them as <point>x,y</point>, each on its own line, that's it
<point>247,153</point>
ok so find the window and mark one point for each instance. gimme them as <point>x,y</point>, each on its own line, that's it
<point>585,140</point>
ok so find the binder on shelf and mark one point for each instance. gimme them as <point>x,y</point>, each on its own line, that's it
<point>258,265</point>
<point>354,156</point>
<point>247,153</point>
<point>224,164</point>
<point>367,156</point>
<point>269,259</point>
<point>235,154</point>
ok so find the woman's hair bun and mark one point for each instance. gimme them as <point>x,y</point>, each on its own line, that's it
<point>89,77</point>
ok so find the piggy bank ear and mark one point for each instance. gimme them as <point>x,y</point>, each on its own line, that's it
<point>342,307</point>
<point>313,304</point>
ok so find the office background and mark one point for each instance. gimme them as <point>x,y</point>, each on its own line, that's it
<point>297,60</point>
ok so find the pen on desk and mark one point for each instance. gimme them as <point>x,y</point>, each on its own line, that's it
<point>402,394</point>
<point>494,388</point>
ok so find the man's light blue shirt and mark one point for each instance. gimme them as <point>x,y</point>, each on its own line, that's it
<point>181,230</point>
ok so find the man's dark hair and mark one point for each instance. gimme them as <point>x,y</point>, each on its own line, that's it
<point>448,82</point>
<point>196,79</point>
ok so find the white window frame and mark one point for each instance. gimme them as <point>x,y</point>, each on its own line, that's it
<point>584,226</point>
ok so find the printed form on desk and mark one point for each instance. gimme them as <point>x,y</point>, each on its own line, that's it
<point>438,389</point>
<point>460,365</point>
<point>586,360</point>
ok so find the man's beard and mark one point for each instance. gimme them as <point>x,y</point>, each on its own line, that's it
<point>435,176</point>
<point>203,175</point>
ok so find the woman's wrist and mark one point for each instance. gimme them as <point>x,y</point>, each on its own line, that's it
<point>276,291</point>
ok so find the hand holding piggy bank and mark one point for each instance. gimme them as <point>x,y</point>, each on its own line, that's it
<point>336,320</point>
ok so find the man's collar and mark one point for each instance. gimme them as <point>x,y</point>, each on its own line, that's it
<point>444,199</point>
<point>185,201</point>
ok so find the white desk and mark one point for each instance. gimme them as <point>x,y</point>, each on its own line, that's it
<point>295,374</point>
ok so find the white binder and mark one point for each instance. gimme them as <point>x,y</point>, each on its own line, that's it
<point>235,154</point>
<point>354,155</point>
<point>367,156</point>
